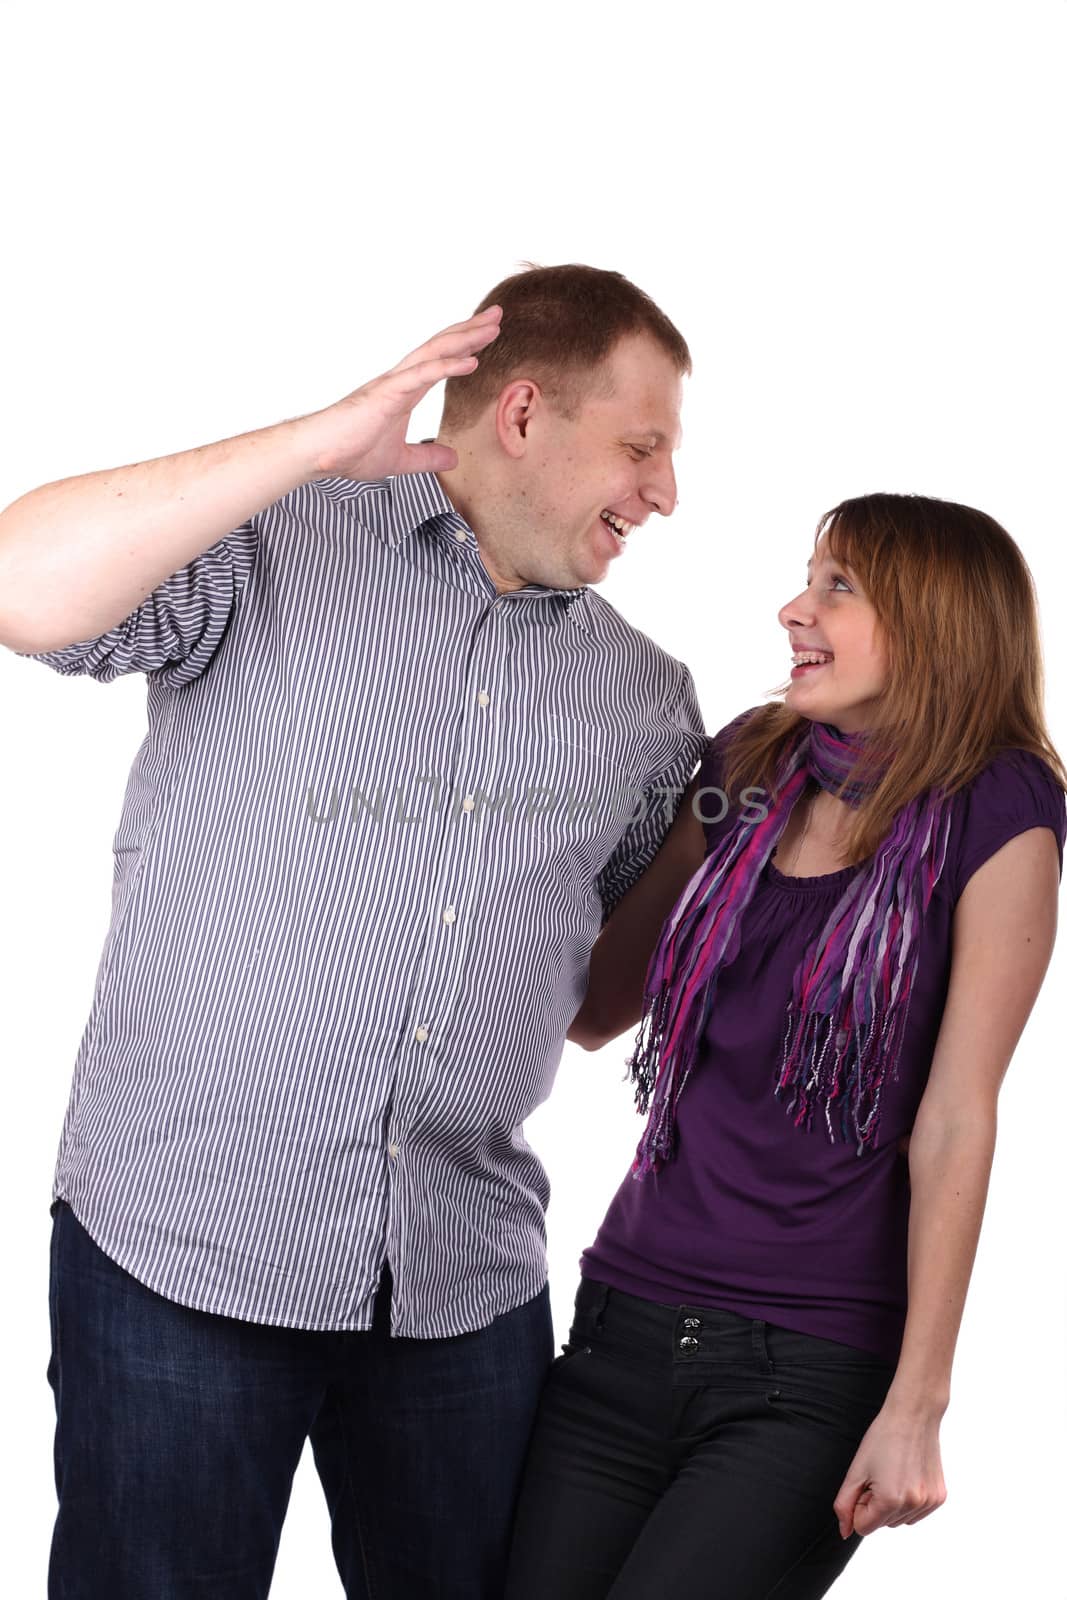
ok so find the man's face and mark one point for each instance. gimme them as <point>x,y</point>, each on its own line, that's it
<point>614,459</point>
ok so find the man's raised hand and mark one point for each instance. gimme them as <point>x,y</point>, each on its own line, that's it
<point>79,555</point>
<point>364,435</point>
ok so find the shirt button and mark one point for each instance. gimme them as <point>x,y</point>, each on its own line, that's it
<point>422,1034</point>
<point>461,535</point>
<point>449,915</point>
<point>394,1151</point>
<point>483,698</point>
<point>468,804</point>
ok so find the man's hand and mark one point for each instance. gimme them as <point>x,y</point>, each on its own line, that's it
<point>895,1477</point>
<point>365,434</point>
<point>78,556</point>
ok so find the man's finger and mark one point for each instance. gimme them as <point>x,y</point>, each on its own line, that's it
<point>428,458</point>
<point>463,338</point>
<point>399,391</point>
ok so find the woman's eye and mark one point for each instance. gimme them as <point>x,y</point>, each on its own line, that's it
<point>838,579</point>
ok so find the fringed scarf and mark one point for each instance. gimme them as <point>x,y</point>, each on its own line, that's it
<point>851,991</point>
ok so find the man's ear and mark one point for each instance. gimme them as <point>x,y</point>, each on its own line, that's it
<point>515,407</point>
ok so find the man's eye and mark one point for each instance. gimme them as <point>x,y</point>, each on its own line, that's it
<point>637,453</point>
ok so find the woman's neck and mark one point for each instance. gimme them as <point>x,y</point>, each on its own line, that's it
<point>814,841</point>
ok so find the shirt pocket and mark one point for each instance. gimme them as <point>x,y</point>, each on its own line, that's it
<point>582,789</point>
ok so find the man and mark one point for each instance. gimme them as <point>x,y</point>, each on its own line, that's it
<point>385,800</point>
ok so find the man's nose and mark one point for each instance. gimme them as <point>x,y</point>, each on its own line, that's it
<point>660,490</point>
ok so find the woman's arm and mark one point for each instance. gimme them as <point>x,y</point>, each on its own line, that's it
<point>620,957</point>
<point>1002,937</point>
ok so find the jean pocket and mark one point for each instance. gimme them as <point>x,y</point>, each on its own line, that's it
<point>842,1399</point>
<point>580,1336</point>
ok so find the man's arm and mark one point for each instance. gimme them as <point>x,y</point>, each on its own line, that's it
<point>80,555</point>
<point>619,961</point>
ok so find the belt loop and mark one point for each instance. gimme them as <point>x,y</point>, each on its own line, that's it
<point>600,1306</point>
<point>759,1346</point>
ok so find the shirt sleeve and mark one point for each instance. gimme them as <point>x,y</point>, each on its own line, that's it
<point>1014,793</point>
<point>660,801</point>
<point>713,805</point>
<point>175,631</point>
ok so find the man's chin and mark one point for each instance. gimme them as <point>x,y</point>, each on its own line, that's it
<point>566,581</point>
<point>589,567</point>
<point>595,572</point>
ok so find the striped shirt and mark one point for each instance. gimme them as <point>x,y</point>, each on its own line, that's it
<point>365,849</point>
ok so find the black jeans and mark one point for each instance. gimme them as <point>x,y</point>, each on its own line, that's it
<point>178,1434</point>
<point>685,1451</point>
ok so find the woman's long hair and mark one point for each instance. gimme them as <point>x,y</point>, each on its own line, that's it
<point>956,605</point>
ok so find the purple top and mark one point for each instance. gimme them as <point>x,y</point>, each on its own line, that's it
<point>757,1216</point>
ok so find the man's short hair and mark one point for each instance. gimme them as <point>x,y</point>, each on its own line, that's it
<point>560,324</point>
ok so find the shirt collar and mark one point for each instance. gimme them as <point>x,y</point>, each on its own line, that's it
<point>396,508</point>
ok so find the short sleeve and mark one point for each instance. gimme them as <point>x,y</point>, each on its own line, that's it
<point>1014,793</point>
<point>711,802</point>
<point>646,833</point>
<point>176,630</point>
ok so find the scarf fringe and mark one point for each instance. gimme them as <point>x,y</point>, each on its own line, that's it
<point>839,1071</point>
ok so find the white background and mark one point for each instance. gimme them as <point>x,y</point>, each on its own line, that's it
<point>217,216</point>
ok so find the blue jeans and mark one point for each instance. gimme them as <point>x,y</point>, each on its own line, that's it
<point>178,1434</point>
<point>682,1450</point>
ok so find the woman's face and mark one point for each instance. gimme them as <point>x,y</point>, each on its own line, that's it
<point>833,622</point>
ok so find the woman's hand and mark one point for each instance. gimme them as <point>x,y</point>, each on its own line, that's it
<point>895,1477</point>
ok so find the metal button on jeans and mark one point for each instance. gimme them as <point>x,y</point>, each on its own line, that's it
<point>687,1344</point>
<point>692,1322</point>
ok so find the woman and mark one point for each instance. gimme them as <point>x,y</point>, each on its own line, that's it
<point>764,1331</point>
